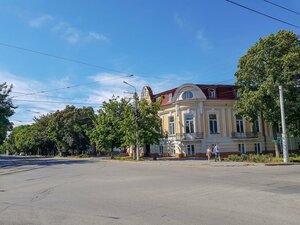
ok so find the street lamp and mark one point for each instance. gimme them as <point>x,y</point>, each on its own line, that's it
<point>135,96</point>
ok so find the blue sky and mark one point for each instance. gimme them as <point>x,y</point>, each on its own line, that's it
<point>163,43</point>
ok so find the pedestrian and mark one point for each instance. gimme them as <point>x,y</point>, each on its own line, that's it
<point>208,152</point>
<point>216,152</point>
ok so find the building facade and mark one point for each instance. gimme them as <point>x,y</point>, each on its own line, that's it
<point>195,116</point>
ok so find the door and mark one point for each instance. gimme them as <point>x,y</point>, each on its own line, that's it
<point>147,150</point>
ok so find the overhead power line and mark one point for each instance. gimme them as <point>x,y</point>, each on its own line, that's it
<point>263,14</point>
<point>148,76</point>
<point>57,102</point>
<point>59,57</point>
<point>70,86</point>
<point>282,7</point>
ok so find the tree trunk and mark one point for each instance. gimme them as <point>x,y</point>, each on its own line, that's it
<point>263,131</point>
<point>112,153</point>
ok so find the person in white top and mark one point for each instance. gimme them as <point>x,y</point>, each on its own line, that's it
<point>208,152</point>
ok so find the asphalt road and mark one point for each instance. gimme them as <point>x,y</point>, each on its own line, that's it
<point>36,191</point>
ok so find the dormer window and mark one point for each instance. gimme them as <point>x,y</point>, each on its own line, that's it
<point>212,93</point>
<point>236,93</point>
<point>170,97</point>
<point>187,94</point>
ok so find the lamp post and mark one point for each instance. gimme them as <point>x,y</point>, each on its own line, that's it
<point>135,96</point>
<point>284,136</point>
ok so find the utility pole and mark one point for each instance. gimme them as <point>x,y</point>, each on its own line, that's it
<point>135,97</point>
<point>284,136</point>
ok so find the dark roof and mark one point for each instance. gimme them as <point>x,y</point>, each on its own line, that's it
<point>222,92</point>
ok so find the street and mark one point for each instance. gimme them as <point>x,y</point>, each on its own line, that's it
<point>41,191</point>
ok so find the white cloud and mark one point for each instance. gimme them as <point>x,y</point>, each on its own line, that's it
<point>96,36</point>
<point>33,105</point>
<point>106,85</point>
<point>40,21</point>
<point>178,20</point>
<point>65,30</point>
<point>204,43</point>
<point>112,84</point>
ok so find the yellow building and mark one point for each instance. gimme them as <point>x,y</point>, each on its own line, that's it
<point>195,116</point>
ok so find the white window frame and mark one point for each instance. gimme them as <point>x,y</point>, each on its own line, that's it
<point>244,148</point>
<point>238,123</point>
<point>170,97</point>
<point>244,124</point>
<point>218,121</point>
<point>212,93</point>
<point>161,149</point>
<point>186,96</point>
<point>258,126</point>
<point>169,123</point>
<point>255,148</point>
<point>237,93</point>
<point>190,149</point>
<point>185,125</point>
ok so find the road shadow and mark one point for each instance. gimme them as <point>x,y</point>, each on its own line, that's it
<point>17,161</point>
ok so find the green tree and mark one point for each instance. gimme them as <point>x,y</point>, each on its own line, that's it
<point>272,61</point>
<point>69,129</point>
<point>44,144</point>
<point>143,124</point>
<point>6,110</point>
<point>107,133</point>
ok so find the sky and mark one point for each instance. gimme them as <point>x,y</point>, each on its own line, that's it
<point>159,43</point>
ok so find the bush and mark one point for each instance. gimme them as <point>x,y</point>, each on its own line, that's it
<point>254,158</point>
<point>277,160</point>
<point>294,158</point>
<point>234,158</point>
<point>83,155</point>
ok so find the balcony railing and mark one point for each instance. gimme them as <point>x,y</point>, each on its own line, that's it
<point>189,136</point>
<point>244,135</point>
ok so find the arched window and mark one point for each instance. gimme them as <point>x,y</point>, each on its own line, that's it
<point>187,94</point>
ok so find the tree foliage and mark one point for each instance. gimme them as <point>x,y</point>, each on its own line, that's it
<point>107,133</point>
<point>69,129</point>
<point>64,132</point>
<point>272,61</point>
<point>118,124</point>
<point>147,124</point>
<point>6,110</point>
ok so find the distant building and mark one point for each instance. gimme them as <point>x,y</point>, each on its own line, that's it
<point>197,115</point>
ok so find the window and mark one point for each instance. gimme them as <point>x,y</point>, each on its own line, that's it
<point>191,149</point>
<point>172,150</point>
<point>239,124</point>
<point>242,148</point>
<point>170,97</point>
<point>256,126</point>
<point>171,125</point>
<point>187,94</point>
<point>161,149</point>
<point>236,93</point>
<point>212,93</point>
<point>257,148</point>
<point>278,128</point>
<point>213,124</point>
<point>189,124</point>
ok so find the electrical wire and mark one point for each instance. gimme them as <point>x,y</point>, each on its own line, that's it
<point>71,86</point>
<point>263,14</point>
<point>57,102</point>
<point>59,57</point>
<point>282,7</point>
